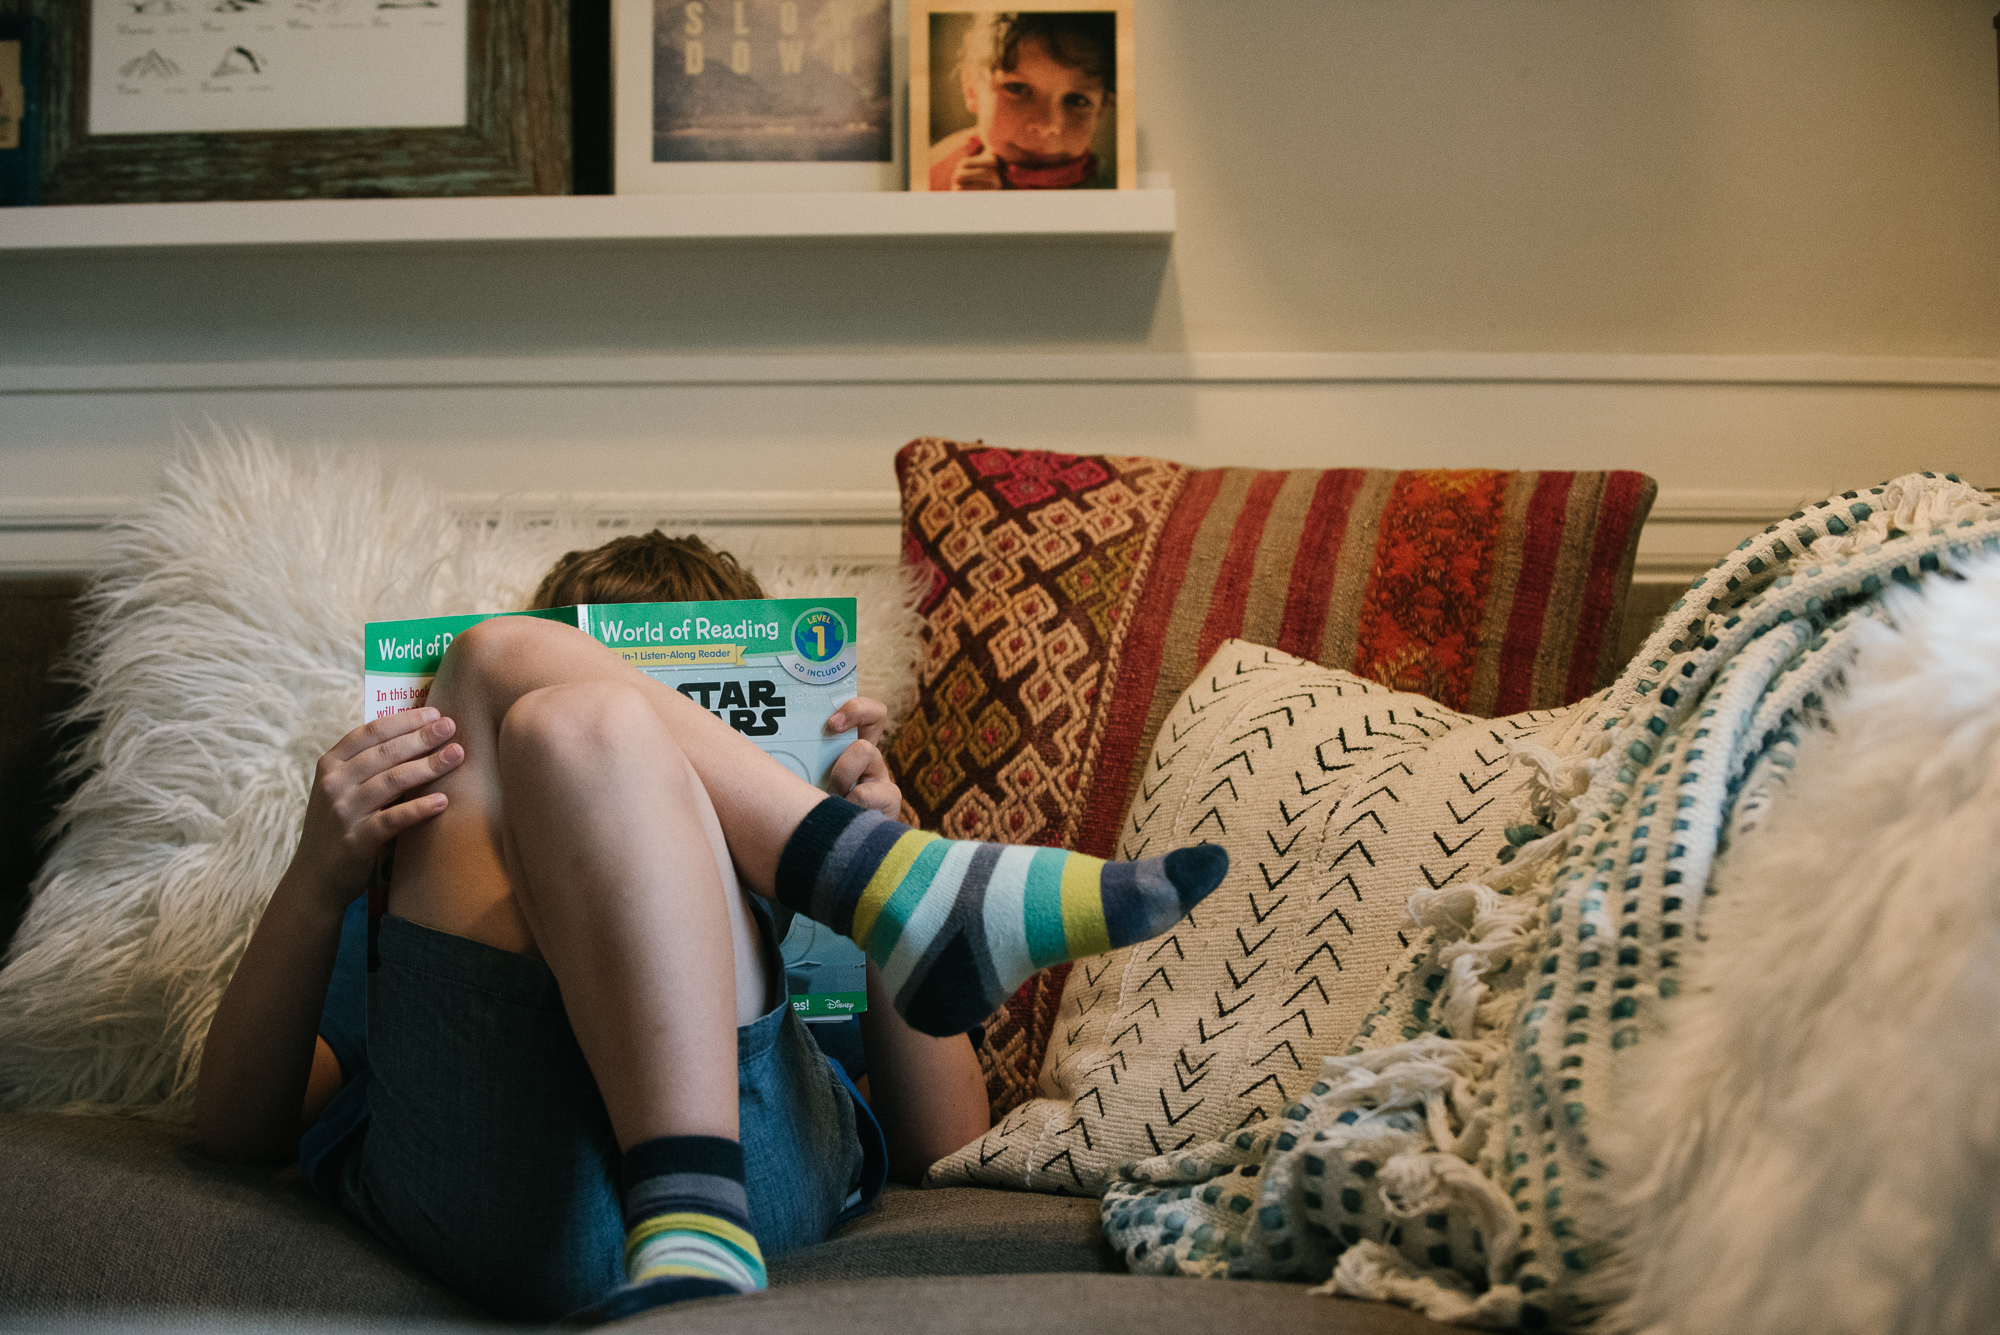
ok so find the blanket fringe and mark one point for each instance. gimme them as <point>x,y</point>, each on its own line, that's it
<point>1486,926</point>
<point>1484,930</point>
<point>1382,1274</point>
<point>1913,503</point>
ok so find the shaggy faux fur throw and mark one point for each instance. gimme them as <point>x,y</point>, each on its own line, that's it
<point>220,654</point>
<point>1461,1157</point>
<point>1815,1147</point>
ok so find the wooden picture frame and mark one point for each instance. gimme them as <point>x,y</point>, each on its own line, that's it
<point>646,31</point>
<point>515,140</point>
<point>939,115</point>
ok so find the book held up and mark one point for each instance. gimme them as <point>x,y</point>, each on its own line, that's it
<point>774,669</point>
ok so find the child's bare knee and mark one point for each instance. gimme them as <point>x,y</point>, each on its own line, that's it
<point>587,726</point>
<point>477,646</point>
<point>482,657</point>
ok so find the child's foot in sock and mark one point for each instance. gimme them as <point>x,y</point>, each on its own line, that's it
<point>687,1228</point>
<point>955,927</point>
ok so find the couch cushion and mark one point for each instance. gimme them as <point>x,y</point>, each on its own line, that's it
<point>1073,597</point>
<point>955,1231</point>
<point>1100,1304</point>
<point>108,1214</point>
<point>994,1305</point>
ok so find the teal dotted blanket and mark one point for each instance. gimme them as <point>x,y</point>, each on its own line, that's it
<point>1449,1159</point>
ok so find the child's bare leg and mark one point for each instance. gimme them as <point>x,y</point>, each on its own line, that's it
<point>756,800</point>
<point>579,830</point>
<point>490,668</point>
<point>609,846</point>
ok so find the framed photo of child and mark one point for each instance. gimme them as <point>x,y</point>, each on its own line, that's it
<point>1038,96</point>
<point>754,95</point>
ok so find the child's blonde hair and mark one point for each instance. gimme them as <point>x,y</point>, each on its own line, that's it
<point>646,568</point>
<point>1083,41</point>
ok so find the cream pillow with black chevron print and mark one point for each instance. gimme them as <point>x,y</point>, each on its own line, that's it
<point>1337,798</point>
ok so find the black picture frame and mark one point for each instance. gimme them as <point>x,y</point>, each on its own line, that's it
<point>516,139</point>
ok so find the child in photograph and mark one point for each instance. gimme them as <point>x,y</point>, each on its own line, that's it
<point>1036,85</point>
<point>555,1065</point>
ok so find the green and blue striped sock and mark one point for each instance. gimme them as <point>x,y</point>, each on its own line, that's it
<point>955,926</point>
<point>687,1227</point>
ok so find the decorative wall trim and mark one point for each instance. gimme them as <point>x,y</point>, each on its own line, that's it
<point>65,534</point>
<point>1013,368</point>
<point>61,514</point>
<point>1685,533</point>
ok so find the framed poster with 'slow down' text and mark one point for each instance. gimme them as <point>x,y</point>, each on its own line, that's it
<point>755,95</point>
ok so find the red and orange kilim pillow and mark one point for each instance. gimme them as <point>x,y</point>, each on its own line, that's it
<point>1073,597</point>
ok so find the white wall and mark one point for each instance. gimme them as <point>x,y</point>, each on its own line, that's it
<point>1750,246</point>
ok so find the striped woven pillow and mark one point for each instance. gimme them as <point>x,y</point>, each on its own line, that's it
<point>1072,598</point>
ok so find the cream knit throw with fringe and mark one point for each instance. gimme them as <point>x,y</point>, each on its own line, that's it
<point>1450,1162</point>
<point>220,652</point>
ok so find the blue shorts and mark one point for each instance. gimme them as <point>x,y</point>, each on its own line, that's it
<point>486,1156</point>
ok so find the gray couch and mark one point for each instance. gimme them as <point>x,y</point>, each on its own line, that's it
<point>112,1217</point>
<point>126,1222</point>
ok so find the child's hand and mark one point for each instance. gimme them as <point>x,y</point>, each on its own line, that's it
<point>867,717</point>
<point>861,775</point>
<point>355,808</point>
<point>981,171</point>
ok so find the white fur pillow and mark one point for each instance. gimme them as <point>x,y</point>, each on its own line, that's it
<point>1816,1146</point>
<point>220,654</point>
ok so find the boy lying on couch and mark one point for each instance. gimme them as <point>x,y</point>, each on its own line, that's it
<point>538,1108</point>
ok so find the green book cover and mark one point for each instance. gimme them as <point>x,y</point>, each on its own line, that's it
<point>774,669</point>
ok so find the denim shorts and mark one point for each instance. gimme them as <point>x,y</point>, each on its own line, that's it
<point>487,1157</point>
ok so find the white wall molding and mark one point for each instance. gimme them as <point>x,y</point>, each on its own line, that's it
<point>1686,531</point>
<point>1208,368</point>
<point>66,534</point>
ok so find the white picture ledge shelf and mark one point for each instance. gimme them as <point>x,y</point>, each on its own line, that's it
<point>1127,216</point>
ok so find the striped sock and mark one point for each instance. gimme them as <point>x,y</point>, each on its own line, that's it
<point>687,1227</point>
<point>955,926</point>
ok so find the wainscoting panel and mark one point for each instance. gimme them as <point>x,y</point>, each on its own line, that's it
<point>795,451</point>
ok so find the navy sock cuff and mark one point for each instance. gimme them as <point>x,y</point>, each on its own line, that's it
<point>715,1156</point>
<point>807,850</point>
